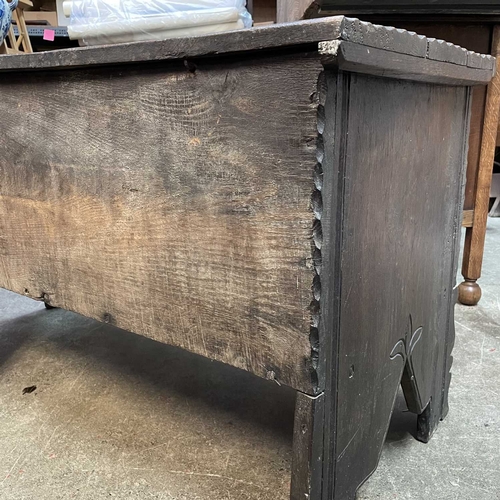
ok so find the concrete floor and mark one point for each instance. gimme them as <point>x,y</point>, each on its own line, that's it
<point>115,415</point>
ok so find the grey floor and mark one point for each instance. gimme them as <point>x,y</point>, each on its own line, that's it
<point>115,415</point>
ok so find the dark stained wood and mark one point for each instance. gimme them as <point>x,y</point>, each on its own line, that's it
<point>362,59</point>
<point>306,463</point>
<point>429,419</point>
<point>447,52</point>
<point>335,102</point>
<point>391,39</point>
<point>472,36</point>
<point>397,265</point>
<point>311,31</point>
<point>264,37</point>
<point>476,37</point>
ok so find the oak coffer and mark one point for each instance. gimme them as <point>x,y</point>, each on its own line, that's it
<point>284,199</point>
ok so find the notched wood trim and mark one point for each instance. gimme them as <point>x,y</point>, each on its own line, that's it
<point>317,233</point>
<point>357,58</point>
<point>383,37</point>
<point>410,43</point>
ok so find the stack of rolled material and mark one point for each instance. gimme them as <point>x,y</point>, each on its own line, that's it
<point>98,22</point>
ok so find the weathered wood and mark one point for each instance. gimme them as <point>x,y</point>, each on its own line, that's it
<point>362,59</point>
<point>476,37</point>
<point>447,52</point>
<point>362,34</point>
<point>408,42</point>
<point>396,283</point>
<point>307,425</point>
<point>469,290</point>
<point>146,210</point>
<point>428,421</point>
<point>265,37</point>
<point>388,38</point>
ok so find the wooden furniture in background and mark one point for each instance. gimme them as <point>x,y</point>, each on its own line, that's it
<point>21,43</point>
<point>475,27</point>
<point>469,291</point>
<point>40,18</point>
<point>255,210</point>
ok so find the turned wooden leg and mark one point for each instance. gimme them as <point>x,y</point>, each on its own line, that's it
<point>469,291</point>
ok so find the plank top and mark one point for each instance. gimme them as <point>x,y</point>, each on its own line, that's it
<point>338,28</point>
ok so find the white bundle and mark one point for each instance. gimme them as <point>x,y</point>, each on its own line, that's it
<point>114,21</point>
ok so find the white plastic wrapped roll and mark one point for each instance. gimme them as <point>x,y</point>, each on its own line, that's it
<point>153,23</point>
<point>162,35</point>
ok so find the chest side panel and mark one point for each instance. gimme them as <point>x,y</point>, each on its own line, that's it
<point>173,200</point>
<point>404,162</point>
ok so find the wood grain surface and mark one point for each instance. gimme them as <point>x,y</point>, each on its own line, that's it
<point>173,202</point>
<point>359,58</point>
<point>466,65</point>
<point>306,463</point>
<point>260,37</point>
<point>476,37</point>
<point>401,221</point>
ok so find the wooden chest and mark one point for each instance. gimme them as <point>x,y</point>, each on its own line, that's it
<point>285,200</point>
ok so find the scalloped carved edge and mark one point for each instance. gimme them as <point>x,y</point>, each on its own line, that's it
<point>317,231</point>
<point>383,37</point>
<point>408,42</point>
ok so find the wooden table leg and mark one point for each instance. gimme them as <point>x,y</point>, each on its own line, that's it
<point>469,292</point>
